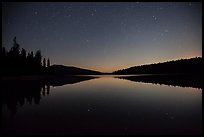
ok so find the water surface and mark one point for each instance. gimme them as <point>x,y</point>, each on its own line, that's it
<point>100,105</point>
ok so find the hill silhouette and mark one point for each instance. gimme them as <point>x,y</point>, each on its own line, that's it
<point>182,66</point>
<point>70,70</point>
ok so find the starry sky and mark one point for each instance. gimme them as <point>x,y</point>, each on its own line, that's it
<point>105,36</point>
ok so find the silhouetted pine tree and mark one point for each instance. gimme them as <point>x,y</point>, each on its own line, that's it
<point>48,62</point>
<point>44,63</point>
<point>16,61</point>
<point>37,61</point>
<point>23,54</point>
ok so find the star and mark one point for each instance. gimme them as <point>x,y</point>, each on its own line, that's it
<point>172,117</point>
<point>68,16</point>
<point>36,13</point>
<point>161,8</point>
<point>155,18</point>
<point>166,30</point>
<point>93,12</point>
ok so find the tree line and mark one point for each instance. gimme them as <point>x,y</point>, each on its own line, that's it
<point>182,66</point>
<point>18,61</point>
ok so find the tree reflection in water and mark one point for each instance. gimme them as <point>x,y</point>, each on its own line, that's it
<point>15,93</point>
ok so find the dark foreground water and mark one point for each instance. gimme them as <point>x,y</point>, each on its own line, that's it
<point>102,105</point>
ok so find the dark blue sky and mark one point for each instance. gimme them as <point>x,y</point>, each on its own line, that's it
<point>105,36</point>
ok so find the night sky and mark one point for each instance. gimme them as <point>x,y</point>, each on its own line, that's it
<point>105,36</point>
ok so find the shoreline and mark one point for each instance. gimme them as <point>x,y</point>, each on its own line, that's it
<point>46,76</point>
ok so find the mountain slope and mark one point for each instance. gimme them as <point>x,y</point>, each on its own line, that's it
<point>70,70</point>
<point>192,65</point>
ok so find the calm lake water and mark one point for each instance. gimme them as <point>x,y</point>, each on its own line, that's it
<point>102,105</point>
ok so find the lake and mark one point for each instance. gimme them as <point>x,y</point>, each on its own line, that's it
<point>104,105</point>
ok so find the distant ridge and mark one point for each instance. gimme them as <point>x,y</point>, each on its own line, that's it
<point>70,70</point>
<point>182,66</point>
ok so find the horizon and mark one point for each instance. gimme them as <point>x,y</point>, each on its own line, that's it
<point>129,66</point>
<point>106,36</point>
